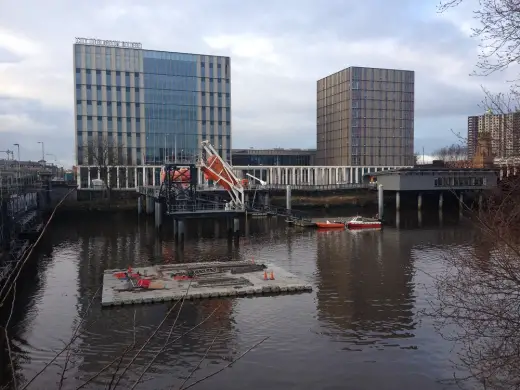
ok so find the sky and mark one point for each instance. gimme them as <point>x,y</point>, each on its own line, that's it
<point>278,50</point>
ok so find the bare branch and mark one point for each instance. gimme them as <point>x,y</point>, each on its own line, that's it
<point>167,345</point>
<point>75,335</point>
<point>476,298</point>
<point>127,349</point>
<point>167,339</point>
<point>200,361</point>
<point>227,365</point>
<point>8,340</point>
<point>498,31</point>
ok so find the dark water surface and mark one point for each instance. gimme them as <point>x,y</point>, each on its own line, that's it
<point>359,329</point>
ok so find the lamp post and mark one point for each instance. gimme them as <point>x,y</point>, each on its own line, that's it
<point>18,146</point>
<point>43,152</point>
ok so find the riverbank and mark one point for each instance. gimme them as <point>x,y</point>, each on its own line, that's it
<point>98,205</point>
<point>364,199</point>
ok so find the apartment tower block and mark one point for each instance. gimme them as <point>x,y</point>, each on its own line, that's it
<point>502,129</point>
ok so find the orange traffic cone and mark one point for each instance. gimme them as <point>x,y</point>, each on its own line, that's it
<point>265,275</point>
<point>272,275</point>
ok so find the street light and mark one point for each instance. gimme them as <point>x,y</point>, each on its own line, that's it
<point>43,152</point>
<point>18,146</point>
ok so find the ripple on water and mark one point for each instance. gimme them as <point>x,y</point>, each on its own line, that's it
<point>359,326</point>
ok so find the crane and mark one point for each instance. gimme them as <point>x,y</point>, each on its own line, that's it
<point>256,178</point>
<point>218,170</point>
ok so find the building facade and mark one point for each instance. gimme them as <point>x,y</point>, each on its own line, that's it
<point>146,107</point>
<point>502,129</point>
<point>273,157</point>
<point>365,116</point>
<point>472,135</point>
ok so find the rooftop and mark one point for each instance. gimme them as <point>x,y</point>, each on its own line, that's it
<point>429,169</point>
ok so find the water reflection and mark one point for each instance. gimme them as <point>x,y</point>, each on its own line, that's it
<point>368,296</point>
<point>359,326</point>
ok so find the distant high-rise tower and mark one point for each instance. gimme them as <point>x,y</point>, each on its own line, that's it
<point>472,136</point>
<point>366,118</point>
<point>503,131</point>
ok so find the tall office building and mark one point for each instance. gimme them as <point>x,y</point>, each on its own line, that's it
<point>503,130</point>
<point>366,118</point>
<point>147,107</point>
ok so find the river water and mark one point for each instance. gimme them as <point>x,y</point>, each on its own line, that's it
<point>360,328</point>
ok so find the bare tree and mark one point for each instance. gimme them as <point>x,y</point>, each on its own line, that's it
<point>454,152</point>
<point>105,156</point>
<point>476,298</point>
<point>498,31</point>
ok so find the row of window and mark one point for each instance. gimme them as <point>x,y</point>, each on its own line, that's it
<point>152,111</point>
<point>153,125</point>
<point>155,81</point>
<point>166,96</point>
<point>460,181</point>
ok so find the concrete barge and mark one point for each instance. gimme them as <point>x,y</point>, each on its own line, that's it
<point>208,280</point>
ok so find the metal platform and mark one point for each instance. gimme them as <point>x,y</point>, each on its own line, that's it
<point>215,279</point>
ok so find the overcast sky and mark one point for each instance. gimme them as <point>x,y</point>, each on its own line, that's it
<point>278,50</point>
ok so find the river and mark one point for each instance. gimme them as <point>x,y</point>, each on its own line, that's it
<point>360,328</point>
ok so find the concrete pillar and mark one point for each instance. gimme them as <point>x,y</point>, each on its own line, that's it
<point>397,219</point>
<point>380,200</point>
<point>288,197</point>
<point>397,200</point>
<point>158,214</point>
<point>175,228</point>
<point>419,201</point>
<point>236,227</point>
<point>140,205</point>
<point>266,199</point>
<point>246,199</point>
<point>180,230</point>
<point>480,201</point>
<point>441,200</point>
<point>150,207</point>
<point>419,218</point>
<point>461,201</point>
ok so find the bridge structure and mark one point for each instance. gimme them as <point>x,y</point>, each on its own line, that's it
<point>318,177</point>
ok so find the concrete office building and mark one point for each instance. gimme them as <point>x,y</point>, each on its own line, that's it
<point>149,106</point>
<point>365,117</point>
<point>504,132</point>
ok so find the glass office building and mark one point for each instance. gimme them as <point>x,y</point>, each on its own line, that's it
<point>273,157</point>
<point>149,107</point>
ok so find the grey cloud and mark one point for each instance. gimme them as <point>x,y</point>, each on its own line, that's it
<point>268,109</point>
<point>51,126</point>
<point>7,56</point>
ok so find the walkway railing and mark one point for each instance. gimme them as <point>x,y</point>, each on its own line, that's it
<point>154,190</point>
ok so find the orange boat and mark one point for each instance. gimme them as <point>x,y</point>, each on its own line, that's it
<point>182,175</point>
<point>330,225</point>
<point>218,169</point>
